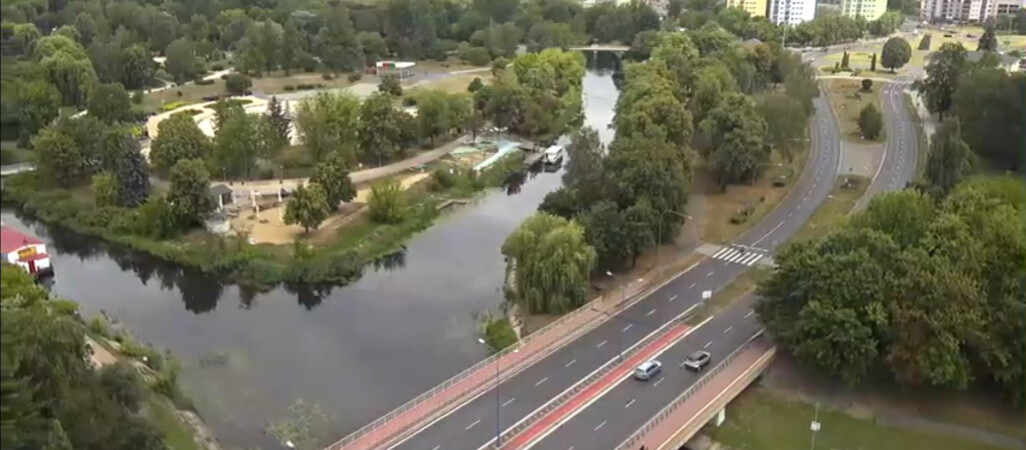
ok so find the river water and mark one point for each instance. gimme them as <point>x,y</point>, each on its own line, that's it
<point>358,351</point>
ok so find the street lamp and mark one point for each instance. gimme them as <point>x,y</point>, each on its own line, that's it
<point>659,238</point>
<point>498,405</point>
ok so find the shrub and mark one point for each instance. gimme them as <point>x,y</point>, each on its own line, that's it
<point>204,82</point>
<point>385,204</point>
<point>410,101</point>
<point>224,77</point>
<point>867,84</point>
<point>237,83</point>
<point>477,56</point>
<point>497,332</point>
<point>289,88</point>
<point>216,67</point>
<point>327,76</point>
<point>178,93</point>
<point>137,97</point>
<point>354,77</point>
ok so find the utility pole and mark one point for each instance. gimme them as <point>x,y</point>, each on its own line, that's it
<point>815,426</point>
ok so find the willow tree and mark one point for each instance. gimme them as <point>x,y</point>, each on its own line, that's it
<point>548,263</point>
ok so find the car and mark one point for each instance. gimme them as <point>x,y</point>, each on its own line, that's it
<point>697,361</point>
<point>648,369</point>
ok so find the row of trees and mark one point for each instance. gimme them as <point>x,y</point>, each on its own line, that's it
<point>984,98</point>
<point>928,291</point>
<point>52,397</point>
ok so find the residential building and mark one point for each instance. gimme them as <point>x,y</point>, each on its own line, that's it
<point>866,9</point>
<point>791,12</point>
<point>966,10</point>
<point>755,8</point>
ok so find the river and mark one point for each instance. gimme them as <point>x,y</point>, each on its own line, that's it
<point>358,351</point>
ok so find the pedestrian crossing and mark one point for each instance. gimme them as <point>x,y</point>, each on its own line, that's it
<point>738,256</point>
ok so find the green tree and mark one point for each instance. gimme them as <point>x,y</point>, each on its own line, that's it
<point>189,195</point>
<point>110,103</point>
<point>391,85</point>
<point>105,189</point>
<point>988,40</point>
<point>38,104</point>
<point>950,159</point>
<point>987,103</point>
<point>867,85</point>
<point>333,178</point>
<point>329,122</point>
<point>237,83</point>
<point>137,67</point>
<point>338,47</point>
<point>640,168</point>
<point>386,203</point>
<point>785,122</point>
<point>374,46</point>
<point>870,121</point>
<point>308,207</point>
<point>903,216</point>
<point>128,166</point>
<point>872,63</point>
<point>64,64</point>
<point>178,137</point>
<point>384,130</point>
<point>307,426</point>
<point>59,158</point>
<point>548,264</point>
<point>475,85</point>
<point>181,60</point>
<point>736,133</point>
<point>943,71</point>
<point>895,54</point>
<point>291,46</point>
<point>236,140</point>
<point>121,379</point>
<point>278,124</point>
<point>434,116</point>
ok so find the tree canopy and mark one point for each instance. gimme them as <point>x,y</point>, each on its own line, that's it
<point>549,264</point>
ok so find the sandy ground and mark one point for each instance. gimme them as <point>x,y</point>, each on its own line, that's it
<point>99,356</point>
<point>267,226</point>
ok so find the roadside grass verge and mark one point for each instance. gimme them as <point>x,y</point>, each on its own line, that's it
<point>759,419</point>
<point>833,212</point>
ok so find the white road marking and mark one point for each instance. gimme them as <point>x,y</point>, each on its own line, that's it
<point>628,405</point>
<point>749,314</point>
<point>724,331</point>
<point>508,402</point>
<point>472,425</point>
<point>437,447</point>
<point>600,344</point>
<point>722,251</point>
<point>709,274</point>
<point>651,312</point>
<point>753,259</point>
<point>660,380</point>
<point>628,327</point>
<point>541,381</point>
<point>692,285</point>
<point>707,344</point>
<point>768,233</point>
<point>673,298</point>
<point>572,361</point>
<point>601,425</point>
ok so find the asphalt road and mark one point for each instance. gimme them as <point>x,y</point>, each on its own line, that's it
<point>629,405</point>
<point>473,425</point>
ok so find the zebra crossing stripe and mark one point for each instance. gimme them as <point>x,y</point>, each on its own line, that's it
<point>722,251</point>
<point>752,259</point>
<point>736,257</point>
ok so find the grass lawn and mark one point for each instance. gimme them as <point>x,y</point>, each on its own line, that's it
<point>762,196</point>
<point>834,210</point>
<point>760,419</point>
<point>453,83</point>
<point>862,61</point>
<point>847,100</point>
<point>273,83</point>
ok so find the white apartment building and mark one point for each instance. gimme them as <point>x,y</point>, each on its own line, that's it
<point>866,9</point>
<point>791,12</point>
<point>967,10</point>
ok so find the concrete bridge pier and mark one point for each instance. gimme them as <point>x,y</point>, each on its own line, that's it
<point>719,418</point>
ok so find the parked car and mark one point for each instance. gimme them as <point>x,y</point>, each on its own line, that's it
<point>648,369</point>
<point>697,360</point>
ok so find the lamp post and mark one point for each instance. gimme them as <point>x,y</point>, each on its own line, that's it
<point>498,405</point>
<point>659,238</point>
<point>623,298</point>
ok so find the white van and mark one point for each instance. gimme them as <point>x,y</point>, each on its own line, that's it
<point>554,154</point>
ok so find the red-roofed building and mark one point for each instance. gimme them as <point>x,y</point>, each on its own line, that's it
<point>25,251</point>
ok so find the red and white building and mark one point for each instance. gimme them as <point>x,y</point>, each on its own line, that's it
<point>25,251</point>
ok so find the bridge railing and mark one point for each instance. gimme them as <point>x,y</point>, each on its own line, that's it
<point>634,440</point>
<point>589,308</point>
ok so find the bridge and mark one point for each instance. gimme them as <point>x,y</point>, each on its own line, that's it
<point>568,386</point>
<point>12,169</point>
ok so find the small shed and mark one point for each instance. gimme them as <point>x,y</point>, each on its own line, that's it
<point>222,195</point>
<point>404,69</point>
<point>24,251</point>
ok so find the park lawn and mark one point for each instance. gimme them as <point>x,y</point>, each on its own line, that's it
<point>720,207</point>
<point>453,84</point>
<point>273,83</point>
<point>760,419</point>
<point>833,212</point>
<point>847,100</point>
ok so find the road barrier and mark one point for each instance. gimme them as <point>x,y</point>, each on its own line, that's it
<point>635,439</point>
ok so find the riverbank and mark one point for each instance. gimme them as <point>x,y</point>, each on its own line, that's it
<point>337,258</point>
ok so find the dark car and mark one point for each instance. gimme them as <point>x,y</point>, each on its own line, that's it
<point>697,361</point>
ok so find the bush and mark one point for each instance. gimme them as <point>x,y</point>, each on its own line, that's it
<point>354,77</point>
<point>289,88</point>
<point>385,204</point>
<point>137,97</point>
<point>204,82</point>
<point>178,93</point>
<point>237,83</point>
<point>216,67</point>
<point>410,101</point>
<point>867,84</point>
<point>497,333</point>
<point>477,56</point>
<point>327,76</point>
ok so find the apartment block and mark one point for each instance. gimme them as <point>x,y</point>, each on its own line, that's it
<point>967,10</point>
<point>791,12</point>
<point>866,9</point>
<point>755,8</point>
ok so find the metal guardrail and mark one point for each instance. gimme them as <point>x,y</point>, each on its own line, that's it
<point>635,439</point>
<point>584,383</point>
<point>383,420</point>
